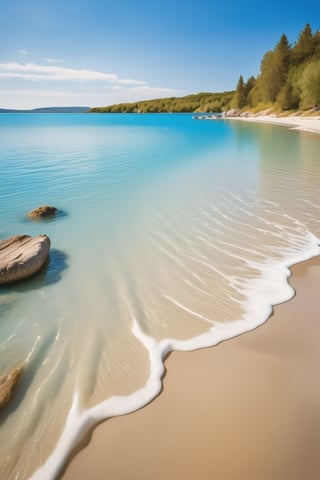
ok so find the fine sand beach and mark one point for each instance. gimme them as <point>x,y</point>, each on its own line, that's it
<point>246,409</point>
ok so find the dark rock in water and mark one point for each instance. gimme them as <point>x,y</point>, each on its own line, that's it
<point>8,384</point>
<point>43,211</point>
<point>22,256</point>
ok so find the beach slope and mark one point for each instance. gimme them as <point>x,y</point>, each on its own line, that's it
<point>246,409</point>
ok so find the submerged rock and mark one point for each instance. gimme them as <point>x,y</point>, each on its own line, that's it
<point>8,384</point>
<point>22,256</point>
<point>43,211</point>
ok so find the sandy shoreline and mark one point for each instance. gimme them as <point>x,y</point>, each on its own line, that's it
<point>308,124</point>
<point>247,409</point>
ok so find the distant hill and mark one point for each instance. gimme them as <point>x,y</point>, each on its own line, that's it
<point>48,110</point>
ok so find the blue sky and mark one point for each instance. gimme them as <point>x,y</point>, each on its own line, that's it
<point>95,52</point>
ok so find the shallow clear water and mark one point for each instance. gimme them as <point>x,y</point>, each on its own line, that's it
<point>172,233</point>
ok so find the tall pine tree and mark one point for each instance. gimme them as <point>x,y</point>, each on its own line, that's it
<point>304,47</point>
<point>274,71</point>
<point>239,99</point>
<point>316,45</point>
<point>282,53</point>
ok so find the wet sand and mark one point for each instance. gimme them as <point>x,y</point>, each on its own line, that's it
<point>247,409</point>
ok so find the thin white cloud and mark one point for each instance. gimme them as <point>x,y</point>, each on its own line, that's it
<point>76,86</point>
<point>32,71</point>
<point>22,51</point>
<point>21,98</point>
<point>40,93</point>
<point>55,60</point>
<point>130,81</point>
<point>146,91</point>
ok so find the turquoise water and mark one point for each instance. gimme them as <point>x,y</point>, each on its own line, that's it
<point>171,234</point>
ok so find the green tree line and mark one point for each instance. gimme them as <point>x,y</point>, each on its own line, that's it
<point>289,79</point>
<point>289,76</point>
<point>200,102</point>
